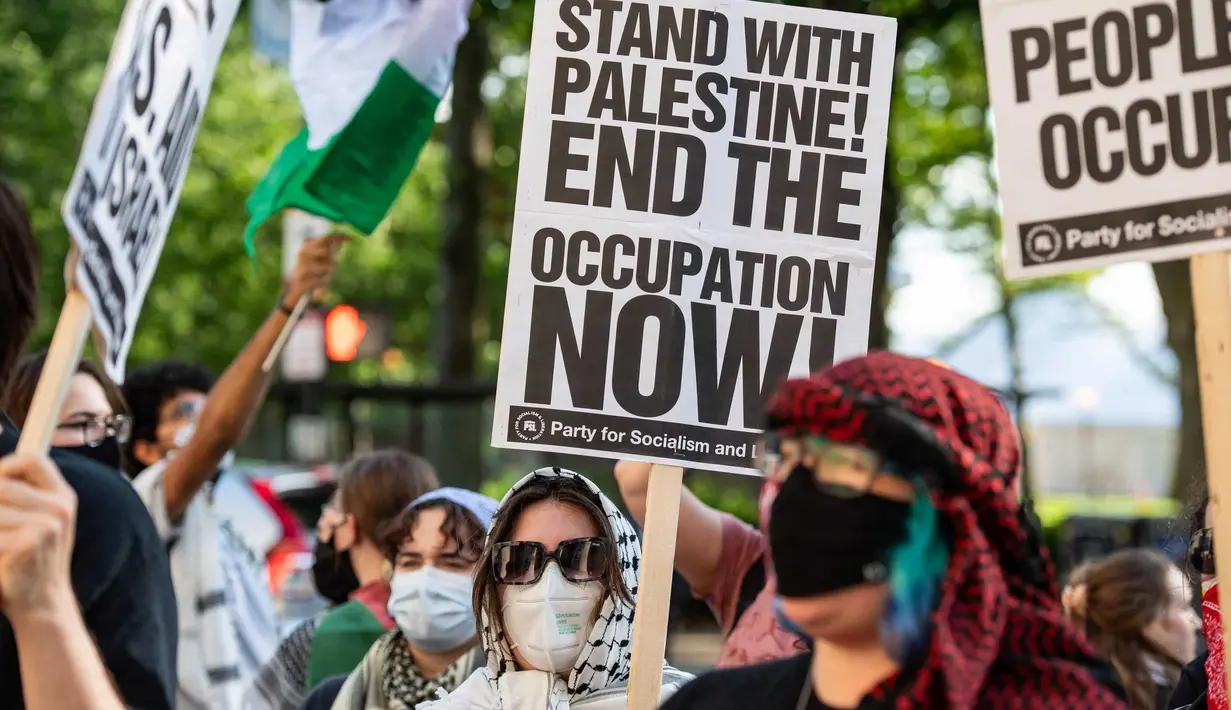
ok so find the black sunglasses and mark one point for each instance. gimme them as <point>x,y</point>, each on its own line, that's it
<point>1201,552</point>
<point>581,560</point>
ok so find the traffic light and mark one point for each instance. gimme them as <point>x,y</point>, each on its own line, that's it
<point>344,331</point>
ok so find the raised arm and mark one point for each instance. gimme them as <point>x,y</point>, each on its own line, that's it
<point>237,396</point>
<point>698,545</point>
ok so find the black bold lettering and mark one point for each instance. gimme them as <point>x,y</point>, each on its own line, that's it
<point>833,196</point>
<point>827,118</point>
<point>799,114</point>
<point>1066,54</point>
<point>547,267</point>
<point>1071,146</point>
<point>637,32</point>
<point>570,15</point>
<point>669,96</point>
<point>551,331</point>
<point>849,57</point>
<point>1222,122</point>
<point>828,287</point>
<point>645,251</point>
<point>824,338</point>
<point>1024,60</point>
<point>1133,137</point>
<point>1147,41</point>
<point>141,99</point>
<point>783,188</point>
<point>741,361</point>
<point>635,172</point>
<point>1090,139</point>
<point>768,47</point>
<point>718,276</point>
<point>748,261</point>
<point>748,159</point>
<point>567,67</point>
<point>668,363</point>
<point>587,241</point>
<point>744,88</point>
<point>711,27</point>
<point>622,244</point>
<point>678,32</point>
<point>670,146</point>
<point>709,85</point>
<point>1123,38</point>
<point>685,261</point>
<point>609,92</point>
<point>1201,121</point>
<point>794,282</point>
<point>607,10</point>
<point>560,161</point>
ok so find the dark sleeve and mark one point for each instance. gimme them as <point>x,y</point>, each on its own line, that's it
<point>1192,683</point>
<point>323,695</point>
<point>122,580</point>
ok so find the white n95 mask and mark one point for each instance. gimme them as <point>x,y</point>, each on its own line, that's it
<point>550,621</point>
<point>433,608</point>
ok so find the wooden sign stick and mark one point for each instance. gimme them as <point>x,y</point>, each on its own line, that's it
<point>62,359</point>
<point>1211,277</point>
<point>662,515</point>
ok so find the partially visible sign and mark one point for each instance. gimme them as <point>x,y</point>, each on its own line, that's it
<point>1113,130</point>
<point>135,155</point>
<point>303,358</point>
<point>308,437</point>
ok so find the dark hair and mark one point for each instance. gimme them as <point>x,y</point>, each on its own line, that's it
<point>460,525</point>
<point>19,392</point>
<point>559,489</point>
<point>147,389</point>
<point>19,272</point>
<point>1124,592</point>
<point>376,487</point>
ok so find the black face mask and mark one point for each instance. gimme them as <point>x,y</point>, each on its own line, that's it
<point>823,543</point>
<point>333,574</point>
<point>107,452</point>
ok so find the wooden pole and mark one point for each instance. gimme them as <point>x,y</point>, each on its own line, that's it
<point>662,515</point>
<point>1211,277</point>
<point>62,359</point>
<point>291,321</point>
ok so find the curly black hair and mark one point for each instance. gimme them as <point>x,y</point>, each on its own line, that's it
<point>19,272</point>
<point>147,389</point>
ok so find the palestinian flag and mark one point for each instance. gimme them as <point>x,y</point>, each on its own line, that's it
<point>369,75</point>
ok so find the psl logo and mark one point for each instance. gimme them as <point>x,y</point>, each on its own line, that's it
<point>1043,244</point>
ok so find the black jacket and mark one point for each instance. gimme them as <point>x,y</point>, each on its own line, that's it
<point>1190,690</point>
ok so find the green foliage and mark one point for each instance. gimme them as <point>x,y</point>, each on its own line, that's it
<point>721,495</point>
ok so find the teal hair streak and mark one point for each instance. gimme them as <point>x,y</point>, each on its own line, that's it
<point>916,568</point>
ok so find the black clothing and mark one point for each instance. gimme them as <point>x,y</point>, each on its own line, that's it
<point>778,685</point>
<point>122,581</point>
<point>323,695</point>
<point>1190,688</point>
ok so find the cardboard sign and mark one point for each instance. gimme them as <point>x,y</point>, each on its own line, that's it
<point>135,155</point>
<point>697,211</point>
<point>1113,130</point>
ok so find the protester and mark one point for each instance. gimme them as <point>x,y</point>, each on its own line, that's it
<point>901,550</point>
<point>119,568</point>
<point>1202,683</point>
<point>1135,607</point>
<point>734,577</point>
<point>558,549</point>
<point>435,545</point>
<point>350,571</point>
<point>94,419</point>
<point>228,626</point>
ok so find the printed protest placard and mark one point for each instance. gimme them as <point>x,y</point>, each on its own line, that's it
<point>697,211</point>
<point>124,192</point>
<point>1113,130</point>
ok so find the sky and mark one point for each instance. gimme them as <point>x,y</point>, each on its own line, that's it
<point>1067,349</point>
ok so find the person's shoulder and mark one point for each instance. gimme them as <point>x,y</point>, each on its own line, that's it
<point>105,494</point>
<point>763,685</point>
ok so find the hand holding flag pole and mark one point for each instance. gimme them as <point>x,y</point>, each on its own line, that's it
<point>316,262</point>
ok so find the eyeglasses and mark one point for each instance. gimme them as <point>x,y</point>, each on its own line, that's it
<point>840,470</point>
<point>1201,552</point>
<point>97,429</point>
<point>186,410</point>
<point>581,560</point>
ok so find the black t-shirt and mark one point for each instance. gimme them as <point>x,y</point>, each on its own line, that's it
<point>122,581</point>
<point>777,685</point>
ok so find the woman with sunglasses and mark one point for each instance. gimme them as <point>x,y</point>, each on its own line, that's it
<point>94,419</point>
<point>554,591</point>
<point>902,552</point>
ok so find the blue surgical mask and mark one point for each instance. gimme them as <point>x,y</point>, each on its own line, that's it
<point>433,608</point>
<point>789,625</point>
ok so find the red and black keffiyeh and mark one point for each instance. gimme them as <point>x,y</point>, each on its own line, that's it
<point>999,636</point>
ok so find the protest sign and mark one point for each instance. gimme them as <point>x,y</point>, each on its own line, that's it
<point>1113,130</point>
<point>135,154</point>
<point>697,211</point>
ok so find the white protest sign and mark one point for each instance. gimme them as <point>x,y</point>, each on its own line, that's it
<point>135,155</point>
<point>1113,130</point>
<point>697,210</point>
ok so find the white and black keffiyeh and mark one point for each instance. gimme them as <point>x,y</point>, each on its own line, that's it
<point>608,659</point>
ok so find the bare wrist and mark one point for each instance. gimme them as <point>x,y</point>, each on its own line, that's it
<point>58,609</point>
